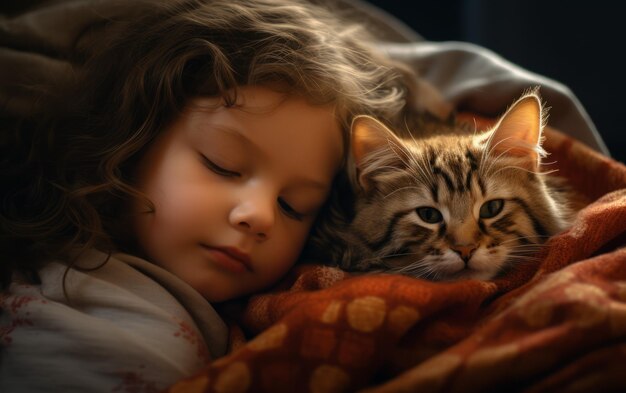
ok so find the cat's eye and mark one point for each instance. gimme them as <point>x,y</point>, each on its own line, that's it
<point>491,208</point>
<point>290,211</point>
<point>218,169</point>
<point>429,214</point>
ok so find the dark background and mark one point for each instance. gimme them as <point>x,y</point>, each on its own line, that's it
<point>581,44</point>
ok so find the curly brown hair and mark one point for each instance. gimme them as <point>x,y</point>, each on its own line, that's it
<point>69,177</point>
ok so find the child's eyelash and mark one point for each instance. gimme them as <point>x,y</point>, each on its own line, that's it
<point>218,169</point>
<point>289,210</point>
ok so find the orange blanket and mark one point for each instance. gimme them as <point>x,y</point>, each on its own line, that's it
<point>557,325</point>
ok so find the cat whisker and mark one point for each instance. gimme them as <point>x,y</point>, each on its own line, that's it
<point>418,172</point>
<point>404,268</point>
<point>397,255</point>
<point>494,160</point>
<point>423,171</point>
<point>530,237</point>
<point>537,172</point>
<point>416,269</point>
<point>475,130</point>
<point>397,149</point>
<point>525,251</point>
<point>430,167</point>
<point>388,167</point>
<point>528,246</point>
<point>415,166</point>
<point>523,254</point>
<point>522,260</point>
<point>381,257</point>
<point>539,240</point>
<point>400,189</point>
<point>545,173</point>
<point>488,154</point>
<point>497,159</point>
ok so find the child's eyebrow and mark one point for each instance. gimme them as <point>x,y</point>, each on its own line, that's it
<point>227,131</point>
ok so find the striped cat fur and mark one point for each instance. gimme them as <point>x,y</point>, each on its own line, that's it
<point>446,202</point>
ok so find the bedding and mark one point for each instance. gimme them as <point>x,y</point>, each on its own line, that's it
<point>557,324</point>
<point>96,330</point>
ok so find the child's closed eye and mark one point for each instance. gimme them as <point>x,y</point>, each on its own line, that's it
<point>290,211</point>
<point>218,169</point>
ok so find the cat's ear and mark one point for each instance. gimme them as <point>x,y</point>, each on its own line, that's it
<point>518,133</point>
<point>369,135</point>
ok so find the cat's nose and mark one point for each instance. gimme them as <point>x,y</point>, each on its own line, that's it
<point>465,251</point>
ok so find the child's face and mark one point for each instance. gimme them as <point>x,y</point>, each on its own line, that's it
<point>236,190</point>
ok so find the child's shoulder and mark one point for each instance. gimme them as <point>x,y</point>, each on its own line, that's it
<point>103,318</point>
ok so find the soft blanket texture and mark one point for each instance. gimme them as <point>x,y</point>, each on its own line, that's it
<point>555,325</point>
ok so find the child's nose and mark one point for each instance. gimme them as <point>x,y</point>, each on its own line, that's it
<point>255,216</point>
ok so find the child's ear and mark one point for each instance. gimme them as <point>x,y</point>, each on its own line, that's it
<point>518,133</point>
<point>370,136</point>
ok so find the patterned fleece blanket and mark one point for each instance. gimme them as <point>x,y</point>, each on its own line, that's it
<point>558,325</point>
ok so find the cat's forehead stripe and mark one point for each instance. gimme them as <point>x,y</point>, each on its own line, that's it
<point>468,180</point>
<point>434,190</point>
<point>472,159</point>
<point>438,171</point>
<point>456,171</point>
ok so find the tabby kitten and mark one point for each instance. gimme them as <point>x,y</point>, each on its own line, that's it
<point>453,205</point>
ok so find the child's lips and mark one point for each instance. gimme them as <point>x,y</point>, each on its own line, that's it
<point>229,258</point>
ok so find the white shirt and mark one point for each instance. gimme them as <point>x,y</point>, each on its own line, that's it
<point>127,326</point>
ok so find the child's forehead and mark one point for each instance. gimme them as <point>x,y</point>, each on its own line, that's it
<point>261,108</point>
